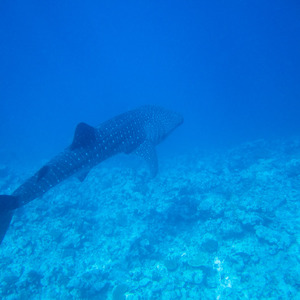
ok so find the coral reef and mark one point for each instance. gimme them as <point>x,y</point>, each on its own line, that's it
<point>220,226</point>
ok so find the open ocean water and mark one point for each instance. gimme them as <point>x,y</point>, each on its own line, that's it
<point>221,219</point>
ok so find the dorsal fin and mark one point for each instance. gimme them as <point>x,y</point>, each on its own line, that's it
<point>42,172</point>
<point>84,136</point>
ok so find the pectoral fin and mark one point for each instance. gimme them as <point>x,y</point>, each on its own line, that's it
<point>147,151</point>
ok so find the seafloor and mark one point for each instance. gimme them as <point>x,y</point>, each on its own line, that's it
<point>209,226</point>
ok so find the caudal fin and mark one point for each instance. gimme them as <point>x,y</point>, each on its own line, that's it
<point>5,218</point>
<point>7,205</point>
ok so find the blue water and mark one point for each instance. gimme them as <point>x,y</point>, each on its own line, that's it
<point>221,219</point>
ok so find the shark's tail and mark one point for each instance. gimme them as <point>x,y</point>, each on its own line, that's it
<point>7,205</point>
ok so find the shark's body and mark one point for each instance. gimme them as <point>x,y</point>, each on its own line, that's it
<point>137,131</point>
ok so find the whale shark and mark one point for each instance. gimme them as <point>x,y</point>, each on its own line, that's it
<point>137,131</point>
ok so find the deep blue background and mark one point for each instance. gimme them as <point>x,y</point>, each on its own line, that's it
<point>231,67</point>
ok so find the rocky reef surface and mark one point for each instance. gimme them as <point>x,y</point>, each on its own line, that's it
<point>209,226</point>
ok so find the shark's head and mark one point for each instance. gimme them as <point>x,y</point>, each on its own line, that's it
<point>161,123</point>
